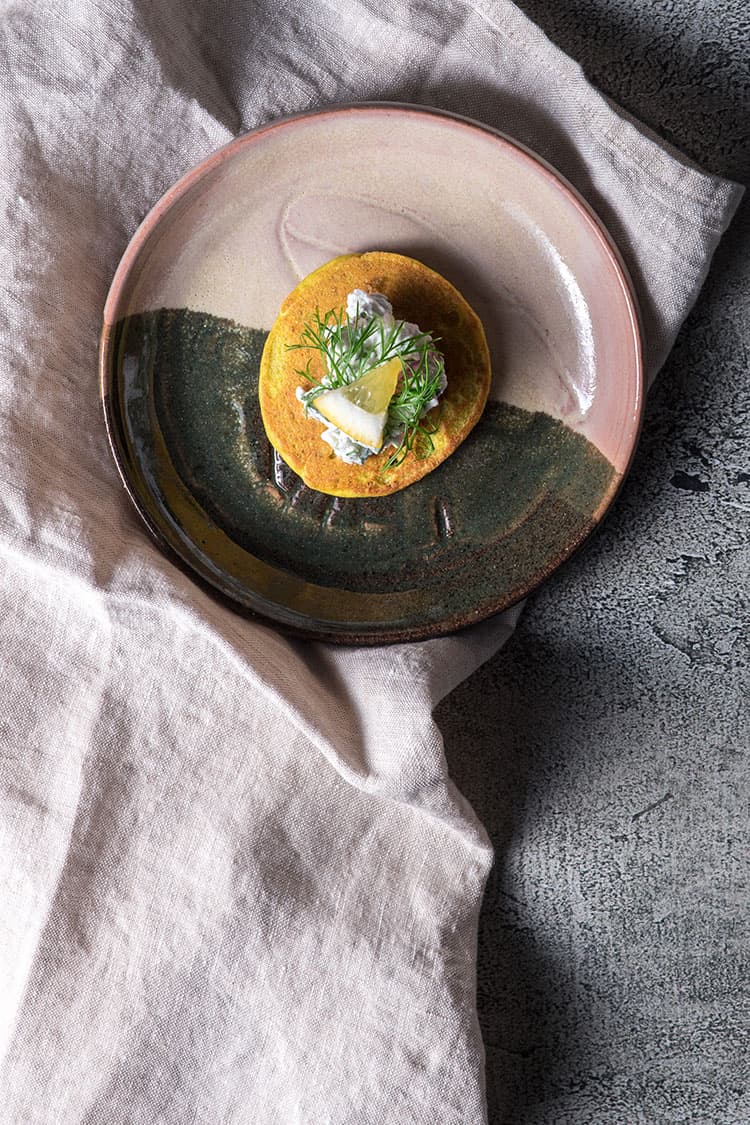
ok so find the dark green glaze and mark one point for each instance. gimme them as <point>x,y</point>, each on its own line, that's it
<point>470,538</point>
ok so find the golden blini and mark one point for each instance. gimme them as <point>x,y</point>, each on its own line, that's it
<point>418,295</point>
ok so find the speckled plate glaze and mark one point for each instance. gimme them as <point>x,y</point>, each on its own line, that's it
<point>200,286</point>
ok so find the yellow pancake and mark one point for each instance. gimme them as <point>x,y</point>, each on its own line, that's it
<point>419,295</point>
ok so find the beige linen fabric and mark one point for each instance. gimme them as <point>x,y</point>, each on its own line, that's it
<point>236,884</point>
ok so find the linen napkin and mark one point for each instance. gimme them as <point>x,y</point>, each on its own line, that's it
<point>237,882</point>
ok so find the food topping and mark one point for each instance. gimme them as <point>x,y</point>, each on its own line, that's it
<point>381,378</point>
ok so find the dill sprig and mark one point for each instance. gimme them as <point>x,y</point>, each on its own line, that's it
<point>419,387</point>
<point>351,348</point>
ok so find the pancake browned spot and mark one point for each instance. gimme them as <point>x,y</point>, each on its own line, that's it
<point>417,294</point>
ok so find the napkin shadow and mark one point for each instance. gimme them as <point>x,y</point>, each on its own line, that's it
<point>189,40</point>
<point>530,1012</point>
<point>652,69</point>
<point>675,78</point>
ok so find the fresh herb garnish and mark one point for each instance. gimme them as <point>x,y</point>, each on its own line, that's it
<point>420,386</point>
<point>351,348</point>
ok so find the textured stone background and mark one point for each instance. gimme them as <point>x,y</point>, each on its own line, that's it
<point>608,738</point>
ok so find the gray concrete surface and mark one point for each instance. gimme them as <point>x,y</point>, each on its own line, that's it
<point>604,747</point>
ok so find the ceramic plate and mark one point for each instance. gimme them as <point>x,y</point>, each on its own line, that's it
<point>200,286</point>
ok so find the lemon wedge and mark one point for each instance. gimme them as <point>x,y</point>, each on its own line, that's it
<point>360,409</point>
